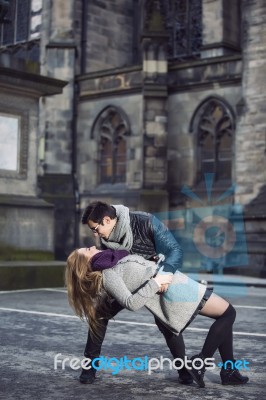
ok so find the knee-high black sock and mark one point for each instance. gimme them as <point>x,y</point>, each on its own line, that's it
<point>220,336</point>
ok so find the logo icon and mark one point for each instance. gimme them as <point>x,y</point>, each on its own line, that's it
<point>211,235</point>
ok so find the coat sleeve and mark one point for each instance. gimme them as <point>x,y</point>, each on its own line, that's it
<point>116,287</point>
<point>166,244</point>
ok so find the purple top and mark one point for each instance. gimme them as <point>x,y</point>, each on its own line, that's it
<point>107,259</point>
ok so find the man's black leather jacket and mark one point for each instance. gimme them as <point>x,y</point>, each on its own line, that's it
<point>151,237</point>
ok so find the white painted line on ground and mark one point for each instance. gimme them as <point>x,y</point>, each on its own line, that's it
<point>117,321</point>
<point>65,291</point>
<point>253,307</point>
<point>33,290</point>
<point>38,313</point>
<point>190,329</point>
<point>21,290</point>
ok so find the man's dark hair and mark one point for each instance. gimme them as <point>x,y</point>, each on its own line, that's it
<point>96,211</point>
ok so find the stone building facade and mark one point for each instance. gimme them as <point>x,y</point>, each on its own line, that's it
<point>26,220</point>
<point>159,93</point>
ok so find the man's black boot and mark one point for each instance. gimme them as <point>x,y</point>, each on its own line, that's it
<point>87,376</point>
<point>232,376</point>
<point>198,369</point>
<point>184,377</point>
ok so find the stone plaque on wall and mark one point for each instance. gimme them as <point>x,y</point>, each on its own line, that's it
<point>14,137</point>
<point>9,142</point>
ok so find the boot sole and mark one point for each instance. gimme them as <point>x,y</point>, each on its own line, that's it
<point>87,381</point>
<point>201,384</point>
<point>186,381</point>
<point>235,383</point>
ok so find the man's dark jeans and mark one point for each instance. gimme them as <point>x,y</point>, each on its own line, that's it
<point>94,344</point>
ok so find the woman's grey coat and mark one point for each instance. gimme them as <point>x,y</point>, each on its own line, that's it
<point>130,283</point>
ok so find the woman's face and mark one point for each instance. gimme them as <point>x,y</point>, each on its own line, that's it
<point>88,252</point>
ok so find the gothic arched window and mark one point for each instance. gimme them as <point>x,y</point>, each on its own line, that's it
<point>16,24</point>
<point>112,129</point>
<point>181,20</point>
<point>214,125</point>
<point>184,24</point>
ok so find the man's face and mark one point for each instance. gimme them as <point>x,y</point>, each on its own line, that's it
<point>102,229</point>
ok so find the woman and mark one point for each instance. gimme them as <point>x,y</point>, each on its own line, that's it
<point>94,277</point>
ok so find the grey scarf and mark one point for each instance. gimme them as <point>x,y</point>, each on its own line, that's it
<point>121,236</point>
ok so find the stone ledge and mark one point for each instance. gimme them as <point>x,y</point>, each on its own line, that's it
<point>31,275</point>
<point>23,201</point>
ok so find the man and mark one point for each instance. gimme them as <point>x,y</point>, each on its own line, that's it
<point>139,233</point>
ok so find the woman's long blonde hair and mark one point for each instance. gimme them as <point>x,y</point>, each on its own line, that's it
<point>85,290</point>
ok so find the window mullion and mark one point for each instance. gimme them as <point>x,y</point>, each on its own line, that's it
<point>114,150</point>
<point>189,28</point>
<point>215,155</point>
<point>15,21</point>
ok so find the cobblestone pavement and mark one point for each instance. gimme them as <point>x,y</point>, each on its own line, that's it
<point>38,324</point>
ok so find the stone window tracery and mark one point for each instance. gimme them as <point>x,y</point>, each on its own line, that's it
<point>215,133</point>
<point>16,25</point>
<point>112,131</point>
